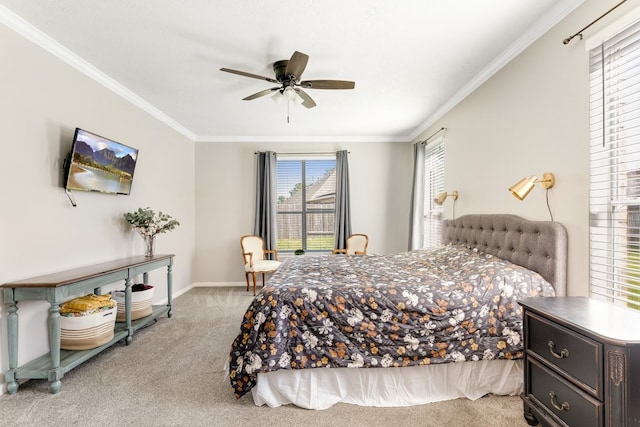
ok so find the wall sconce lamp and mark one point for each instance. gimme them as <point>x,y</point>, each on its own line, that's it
<point>439,200</point>
<point>523,187</point>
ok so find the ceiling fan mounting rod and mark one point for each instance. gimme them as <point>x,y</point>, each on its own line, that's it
<point>280,70</point>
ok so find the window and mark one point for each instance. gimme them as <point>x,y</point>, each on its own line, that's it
<point>306,207</point>
<point>615,168</point>
<point>433,185</point>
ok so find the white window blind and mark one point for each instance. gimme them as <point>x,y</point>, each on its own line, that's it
<point>306,208</point>
<point>434,184</point>
<point>615,169</point>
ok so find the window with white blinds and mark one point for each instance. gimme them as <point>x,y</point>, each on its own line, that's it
<point>433,185</point>
<point>615,168</point>
<point>306,208</point>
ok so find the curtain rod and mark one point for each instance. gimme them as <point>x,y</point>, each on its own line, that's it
<point>579,33</point>
<point>435,133</point>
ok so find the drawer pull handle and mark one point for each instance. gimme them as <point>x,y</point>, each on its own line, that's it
<point>564,353</point>
<point>554,402</point>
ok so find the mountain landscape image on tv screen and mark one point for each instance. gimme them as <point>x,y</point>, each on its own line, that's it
<point>100,164</point>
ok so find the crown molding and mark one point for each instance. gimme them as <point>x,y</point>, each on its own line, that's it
<point>302,139</point>
<point>36,36</point>
<point>551,18</point>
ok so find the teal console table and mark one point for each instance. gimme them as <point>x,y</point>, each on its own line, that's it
<point>57,288</point>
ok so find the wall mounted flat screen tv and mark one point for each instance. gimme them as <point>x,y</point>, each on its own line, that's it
<point>100,164</point>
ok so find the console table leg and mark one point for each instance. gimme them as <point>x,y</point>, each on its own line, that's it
<point>127,310</point>
<point>12,330</point>
<point>169,286</point>
<point>55,373</point>
<point>54,334</point>
<point>12,387</point>
<point>55,386</point>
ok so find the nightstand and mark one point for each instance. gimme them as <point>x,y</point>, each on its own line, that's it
<point>582,362</point>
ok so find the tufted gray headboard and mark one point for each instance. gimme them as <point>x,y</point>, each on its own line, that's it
<point>540,246</point>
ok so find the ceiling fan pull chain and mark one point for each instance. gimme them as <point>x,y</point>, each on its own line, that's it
<point>288,104</point>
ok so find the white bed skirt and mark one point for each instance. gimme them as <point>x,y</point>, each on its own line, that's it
<point>322,388</point>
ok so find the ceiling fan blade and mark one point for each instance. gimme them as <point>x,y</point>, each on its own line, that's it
<point>259,94</point>
<point>253,76</point>
<point>328,84</point>
<point>307,101</point>
<point>297,64</point>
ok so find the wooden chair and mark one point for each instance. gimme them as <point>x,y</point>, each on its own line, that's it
<point>255,260</point>
<point>356,245</point>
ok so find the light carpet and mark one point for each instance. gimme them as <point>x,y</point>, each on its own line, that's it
<point>173,374</point>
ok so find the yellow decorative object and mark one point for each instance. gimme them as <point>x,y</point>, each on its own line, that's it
<point>439,200</point>
<point>87,303</point>
<point>523,187</point>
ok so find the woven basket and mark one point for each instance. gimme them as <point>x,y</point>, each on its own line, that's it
<point>87,332</point>
<point>140,304</point>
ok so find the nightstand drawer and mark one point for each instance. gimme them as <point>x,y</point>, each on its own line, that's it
<point>578,356</point>
<point>561,398</point>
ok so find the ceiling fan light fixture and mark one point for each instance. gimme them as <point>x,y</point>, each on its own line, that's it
<point>298,99</point>
<point>289,93</point>
<point>277,97</point>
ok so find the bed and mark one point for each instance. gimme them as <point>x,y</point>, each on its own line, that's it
<point>400,329</point>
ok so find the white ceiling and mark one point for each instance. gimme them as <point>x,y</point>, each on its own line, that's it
<point>411,60</point>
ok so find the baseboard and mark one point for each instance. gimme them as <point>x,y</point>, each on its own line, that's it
<point>217,284</point>
<point>175,295</point>
<point>201,285</point>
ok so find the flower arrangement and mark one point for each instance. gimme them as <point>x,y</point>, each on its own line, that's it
<point>149,224</point>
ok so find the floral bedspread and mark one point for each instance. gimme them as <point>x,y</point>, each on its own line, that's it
<point>449,304</point>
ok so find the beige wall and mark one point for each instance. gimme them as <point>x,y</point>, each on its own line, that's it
<point>529,118</point>
<point>380,177</point>
<point>42,100</point>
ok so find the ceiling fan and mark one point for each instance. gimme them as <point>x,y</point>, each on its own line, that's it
<point>288,74</point>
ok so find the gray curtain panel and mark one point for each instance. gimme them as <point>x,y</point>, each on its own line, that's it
<point>266,199</point>
<point>416,221</point>
<point>343,200</point>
